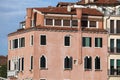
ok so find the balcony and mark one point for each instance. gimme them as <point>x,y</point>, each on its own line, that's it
<point>114,72</point>
<point>12,73</point>
<point>114,50</point>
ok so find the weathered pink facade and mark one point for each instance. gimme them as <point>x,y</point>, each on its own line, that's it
<point>55,51</point>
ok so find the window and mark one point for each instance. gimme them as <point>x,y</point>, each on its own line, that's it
<point>66,22</point>
<point>22,64</point>
<point>9,64</point>
<point>43,40</point>
<point>22,42</point>
<point>49,22</point>
<point>118,45</point>
<point>111,26</point>
<point>31,40</point>
<point>97,63</point>
<point>118,26</point>
<point>68,63</point>
<point>57,22</point>
<point>111,66</point>
<point>86,42</point>
<point>84,23</point>
<point>10,44</point>
<point>92,23</point>
<point>118,67</point>
<point>98,42</point>
<point>74,23</point>
<point>31,62</point>
<point>67,41</point>
<point>15,43</point>
<point>19,64</point>
<point>87,63</point>
<point>111,45</point>
<point>42,62</point>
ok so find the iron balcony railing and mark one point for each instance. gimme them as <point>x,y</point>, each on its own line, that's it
<point>114,72</point>
<point>114,50</point>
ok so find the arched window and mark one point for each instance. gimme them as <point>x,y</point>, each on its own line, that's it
<point>88,62</point>
<point>68,63</point>
<point>42,62</point>
<point>97,63</point>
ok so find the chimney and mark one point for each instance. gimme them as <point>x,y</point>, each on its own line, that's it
<point>86,1</point>
<point>69,8</point>
<point>28,18</point>
<point>91,0</point>
<point>79,16</point>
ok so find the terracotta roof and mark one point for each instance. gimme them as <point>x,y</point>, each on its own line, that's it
<point>63,4</point>
<point>101,2</point>
<point>3,60</point>
<point>63,10</point>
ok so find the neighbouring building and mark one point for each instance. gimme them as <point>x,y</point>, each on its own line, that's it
<point>111,11</point>
<point>59,43</point>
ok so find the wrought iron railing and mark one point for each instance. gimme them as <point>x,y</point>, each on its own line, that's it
<point>114,72</point>
<point>114,50</point>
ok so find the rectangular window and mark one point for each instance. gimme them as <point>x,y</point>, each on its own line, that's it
<point>57,22</point>
<point>118,45</point>
<point>86,42</point>
<point>98,42</point>
<point>49,21</point>
<point>118,26</point>
<point>9,64</point>
<point>19,64</point>
<point>66,22</point>
<point>92,23</point>
<point>111,66</point>
<point>111,26</point>
<point>118,67</point>
<point>74,23</point>
<point>31,40</point>
<point>67,41</point>
<point>84,23</point>
<point>111,45</point>
<point>10,44</point>
<point>22,64</point>
<point>22,42</point>
<point>43,40</point>
<point>15,43</point>
<point>31,62</point>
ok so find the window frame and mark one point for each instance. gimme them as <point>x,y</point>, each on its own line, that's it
<point>97,44</point>
<point>84,42</point>
<point>73,25</point>
<point>43,68</point>
<point>68,43</point>
<point>45,43</point>
<point>69,64</point>
<point>47,23</point>
<point>93,25</point>
<point>97,66</point>
<point>64,25</point>
<point>87,65</point>
<point>31,40</point>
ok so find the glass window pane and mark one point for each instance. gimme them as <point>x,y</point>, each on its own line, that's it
<point>92,23</point>
<point>66,22</point>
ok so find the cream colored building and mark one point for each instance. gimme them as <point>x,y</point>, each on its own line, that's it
<point>111,11</point>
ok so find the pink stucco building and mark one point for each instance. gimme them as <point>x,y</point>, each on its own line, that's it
<point>59,43</point>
